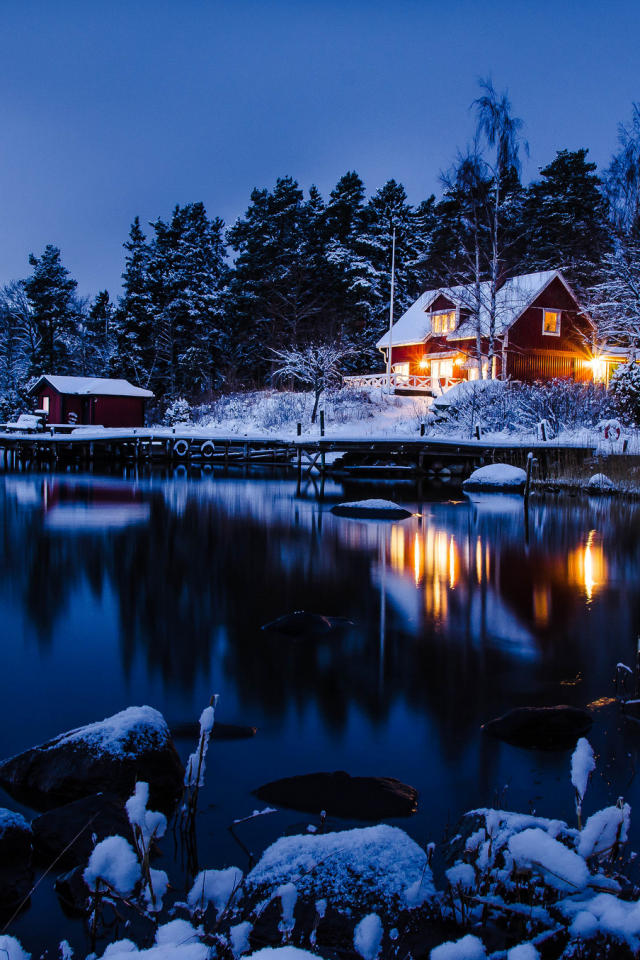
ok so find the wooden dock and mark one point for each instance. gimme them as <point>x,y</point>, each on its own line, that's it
<point>341,455</point>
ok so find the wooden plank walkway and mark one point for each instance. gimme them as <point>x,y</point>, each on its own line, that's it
<point>419,454</point>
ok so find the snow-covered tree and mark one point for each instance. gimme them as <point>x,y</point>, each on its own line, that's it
<point>317,364</point>
<point>55,311</point>
<point>18,347</point>
<point>614,303</point>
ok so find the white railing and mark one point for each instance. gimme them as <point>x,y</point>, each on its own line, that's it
<point>379,381</point>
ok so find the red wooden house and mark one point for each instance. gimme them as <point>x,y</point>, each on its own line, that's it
<point>90,400</point>
<point>541,333</point>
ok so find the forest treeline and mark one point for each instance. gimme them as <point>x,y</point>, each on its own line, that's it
<point>204,306</point>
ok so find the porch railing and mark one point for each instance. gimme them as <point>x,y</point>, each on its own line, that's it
<point>369,381</point>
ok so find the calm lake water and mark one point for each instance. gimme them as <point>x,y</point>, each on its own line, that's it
<point>117,592</point>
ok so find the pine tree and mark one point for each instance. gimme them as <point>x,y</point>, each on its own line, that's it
<point>17,341</point>
<point>136,318</point>
<point>566,218</point>
<point>101,321</point>
<point>51,295</point>
<point>276,296</point>
<point>188,272</point>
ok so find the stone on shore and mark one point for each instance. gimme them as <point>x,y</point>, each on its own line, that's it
<point>71,828</point>
<point>496,476</point>
<point>111,755</point>
<point>16,874</point>
<point>190,729</point>
<point>340,795</point>
<point>541,728</point>
<point>371,510</point>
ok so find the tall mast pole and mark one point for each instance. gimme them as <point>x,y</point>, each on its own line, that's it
<point>393,279</point>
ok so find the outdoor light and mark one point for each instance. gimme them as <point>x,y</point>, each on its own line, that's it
<point>424,362</point>
<point>599,368</point>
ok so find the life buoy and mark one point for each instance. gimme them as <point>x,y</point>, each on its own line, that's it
<point>181,448</point>
<point>612,430</point>
<point>207,449</point>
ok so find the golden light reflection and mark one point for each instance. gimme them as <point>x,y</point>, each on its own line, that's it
<point>397,548</point>
<point>417,560</point>
<point>587,566</point>
<point>479,559</point>
<point>541,604</point>
<point>452,564</point>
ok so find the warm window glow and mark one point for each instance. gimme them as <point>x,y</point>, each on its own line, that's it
<point>443,322</point>
<point>599,368</point>
<point>45,404</point>
<point>424,363</point>
<point>441,368</point>
<point>551,322</point>
<point>401,371</point>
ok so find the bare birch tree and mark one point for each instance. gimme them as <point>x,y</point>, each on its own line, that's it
<point>317,364</point>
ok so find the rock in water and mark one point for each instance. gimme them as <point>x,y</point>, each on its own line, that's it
<point>300,624</point>
<point>340,795</point>
<point>371,510</point>
<point>541,728</point>
<point>70,828</point>
<point>110,755</point>
<point>497,476</point>
<point>16,875</point>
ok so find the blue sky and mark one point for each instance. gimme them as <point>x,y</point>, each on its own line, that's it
<point>112,108</point>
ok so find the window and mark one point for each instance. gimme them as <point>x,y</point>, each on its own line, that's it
<point>441,368</point>
<point>401,371</point>
<point>443,322</point>
<point>45,404</point>
<point>551,323</point>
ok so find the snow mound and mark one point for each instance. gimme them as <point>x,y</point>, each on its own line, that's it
<point>369,867</point>
<point>373,505</point>
<point>604,914</point>
<point>11,949</point>
<point>385,509</point>
<point>600,481</point>
<point>113,861</point>
<point>496,476</point>
<point>561,868</point>
<point>367,936</point>
<point>283,953</point>
<point>219,887</point>
<point>469,948</point>
<point>176,940</point>
<point>603,830</point>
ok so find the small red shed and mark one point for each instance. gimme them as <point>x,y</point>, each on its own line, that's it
<point>93,400</point>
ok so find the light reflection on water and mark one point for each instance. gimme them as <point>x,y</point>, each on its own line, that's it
<point>117,592</point>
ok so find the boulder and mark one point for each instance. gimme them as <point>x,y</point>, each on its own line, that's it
<point>190,729</point>
<point>340,795</point>
<point>73,892</point>
<point>300,625</point>
<point>496,476</point>
<point>16,874</point>
<point>110,755</point>
<point>600,483</point>
<point>541,728</point>
<point>371,510</point>
<point>69,830</point>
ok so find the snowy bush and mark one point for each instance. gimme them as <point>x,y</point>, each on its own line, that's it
<point>504,406</point>
<point>624,388</point>
<point>115,863</point>
<point>178,412</point>
<point>271,410</point>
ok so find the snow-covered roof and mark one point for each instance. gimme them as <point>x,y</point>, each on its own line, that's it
<point>94,386</point>
<point>513,298</point>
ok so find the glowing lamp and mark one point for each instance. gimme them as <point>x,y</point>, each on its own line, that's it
<point>599,368</point>
<point>424,363</point>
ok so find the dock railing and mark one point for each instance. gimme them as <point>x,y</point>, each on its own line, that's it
<point>435,386</point>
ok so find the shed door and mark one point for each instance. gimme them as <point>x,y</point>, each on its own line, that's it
<point>86,410</point>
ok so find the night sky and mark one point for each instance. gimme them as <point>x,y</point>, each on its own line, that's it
<point>112,108</point>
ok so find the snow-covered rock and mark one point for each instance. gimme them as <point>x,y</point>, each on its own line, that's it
<point>541,728</point>
<point>467,948</point>
<point>559,867</point>
<point>600,483</point>
<point>341,795</point>
<point>372,868</point>
<point>177,940</point>
<point>372,509</point>
<point>112,754</point>
<point>496,476</point>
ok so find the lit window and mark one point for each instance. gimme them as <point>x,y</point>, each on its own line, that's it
<point>45,404</point>
<point>443,322</point>
<point>551,323</point>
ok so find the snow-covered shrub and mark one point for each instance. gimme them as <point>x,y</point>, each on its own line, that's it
<point>624,388</point>
<point>178,412</point>
<point>222,888</point>
<point>367,937</point>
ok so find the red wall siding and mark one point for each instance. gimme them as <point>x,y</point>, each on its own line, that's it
<point>119,411</point>
<point>105,411</point>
